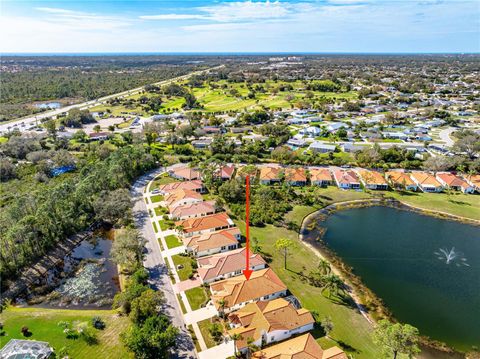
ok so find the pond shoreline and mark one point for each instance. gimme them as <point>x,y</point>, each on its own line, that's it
<point>363,296</point>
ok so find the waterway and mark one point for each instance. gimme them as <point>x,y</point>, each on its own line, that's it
<point>427,270</point>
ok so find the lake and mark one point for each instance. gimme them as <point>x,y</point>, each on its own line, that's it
<point>427,270</point>
<point>48,105</point>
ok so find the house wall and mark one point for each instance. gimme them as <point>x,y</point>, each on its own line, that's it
<point>276,295</point>
<point>216,250</point>
<point>279,335</point>
<point>233,274</point>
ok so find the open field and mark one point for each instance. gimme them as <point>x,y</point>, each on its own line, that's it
<point>43,324</point>
<point>351,330</point>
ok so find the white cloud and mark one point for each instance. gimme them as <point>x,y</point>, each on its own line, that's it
<point>173,17</point>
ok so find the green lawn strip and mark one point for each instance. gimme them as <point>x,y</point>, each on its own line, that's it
<point>182,305</point>
<point>204,325</point>
<point>155,228</point>
<point>156,198</point>
<point>160,211</point>
<point>194,338</point>
<point>196,297</point>
<point>163,225</point>
<point>458,204</point>
<point>43,324</point>
<point>172,241</point>
<point>350,328</point>
<point>161,245</point>
<point>186,262</point>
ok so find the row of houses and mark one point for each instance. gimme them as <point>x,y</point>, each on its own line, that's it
<point>259,309</point>
<point>374,180</point>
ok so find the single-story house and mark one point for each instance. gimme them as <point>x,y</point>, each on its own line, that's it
<point>181,197</point>
<point>426,182</point>
<point>335,126</point>
<point>321,177</point>
<point>228,264</point>
<point>400,180</point>
<point>372,180</point>
<point>202,143</point>
<point>195,185</point>
<point>319,147</point>
<point>193,210</point>
<point>213,242</point>
<point>346,179</point>
<point>473,180</point>
<point>270,174</point>
<point>297,142</point>
<point>98,136</point>
<point>295,176</point>
<point>184,173</point>
<point>311,131</point>
<point>268,322</point>
<point>236,292</point>
<point>449,180</point>
<point>226,172</point>
<point>214,222</point>
<point>302,347</point>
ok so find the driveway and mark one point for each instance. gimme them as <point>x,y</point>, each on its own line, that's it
<point>224,350</point>
<point>445,136</point>
<point>157,269</point>
<point>200,314</point>
<point>187,284</point>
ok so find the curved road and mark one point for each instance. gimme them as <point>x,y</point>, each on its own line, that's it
<point>26,121</point>
<point>153,262</point>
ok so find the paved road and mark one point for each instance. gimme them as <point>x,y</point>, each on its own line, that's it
<point>155,265</point>
<point>445,136</point>
<point>27,121</point>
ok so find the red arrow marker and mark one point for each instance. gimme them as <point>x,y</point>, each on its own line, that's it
<point>247,272</point>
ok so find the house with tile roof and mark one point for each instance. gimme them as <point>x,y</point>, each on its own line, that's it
<point>184,173</point>
<point>321,177</point>
<point>426,182</point>
<point>302,347</point>
<point>212,242</point>
<point>270,175</point>
<point>226,172</point>
<point>268,322</point>
<point>214,222</point>
<point>346,179</point>
<point>295,176</point>
<point>372,179</point>
<point>228,264</point>
<point>473,180</point>
<point>449,180</point>
<point>236,292</point>
<point>195,185</point>
<point>193,210</point>
<point>181,197</point>
<point>400,181</point>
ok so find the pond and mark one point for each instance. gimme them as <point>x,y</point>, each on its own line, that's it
<point>88,279</point>
<point>48,105</point>
<point>427,270</point>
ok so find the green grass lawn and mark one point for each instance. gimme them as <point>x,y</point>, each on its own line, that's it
<point>163,225</point>
<point>173,241</point>
<point>42,323</point>
<point>182,305</point>
<point>161,180</point>
<point>155,229</point>
<point>196,297</point>
<point>204,325</point>
<point>464,205</point>
<point>156,198</point>
<point>184,261</point>
<point>351,328</point>
<point>194,338</point>
<point>298,213</point>
<point>160,211</point>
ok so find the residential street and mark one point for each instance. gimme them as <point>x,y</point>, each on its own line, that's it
<point>154,263</point>
<point>445,136</point>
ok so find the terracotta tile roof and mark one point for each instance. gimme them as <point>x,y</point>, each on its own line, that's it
<point>346,176</point>
<point>195,185</point>
<point>295,175</point>
<point>194,209</point>
<point>270,173</point>
<point>451,180</point>
<point>212,240</point>
<point>219,264</point>
<point>320,174</point>
<point>267,316</point>
<point>181,194</point>
<point>238,290</point>
<point>425,179</point>
<point>372,177</point>
<point>301,347</point>
<point>185,172</point>
<point>227,171</point>
<point>474,180</point>
<point>334,353</point>
<point>217,220</point>
<point>400,178</point>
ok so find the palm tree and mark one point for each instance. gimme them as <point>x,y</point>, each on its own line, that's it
<point>235,337</point>
<point>251,347</point>
<point>222,303</point>
<point>283,244</point>
<point>327,326</point>
<point>324,267</point>
<point>333,284</point>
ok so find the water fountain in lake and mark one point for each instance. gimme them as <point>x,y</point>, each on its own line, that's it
<point>451,256</point>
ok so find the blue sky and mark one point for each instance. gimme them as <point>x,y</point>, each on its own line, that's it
<point>240,26</point>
